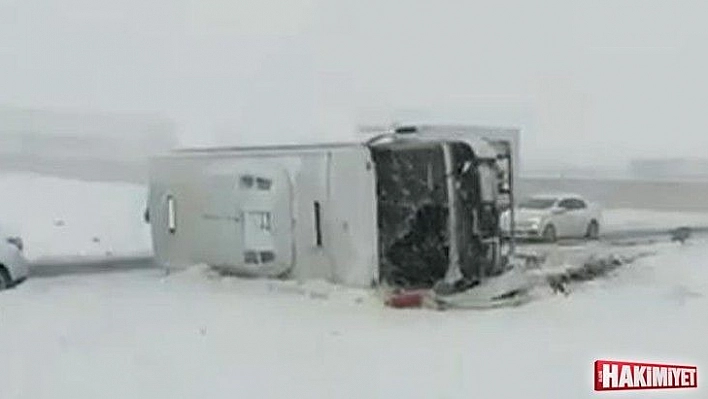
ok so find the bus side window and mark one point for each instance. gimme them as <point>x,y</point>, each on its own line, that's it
<point>171,215</point>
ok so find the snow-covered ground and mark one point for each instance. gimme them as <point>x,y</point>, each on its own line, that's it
<point>192,334</point>
<point>68,218</point>
<point>141,334</point>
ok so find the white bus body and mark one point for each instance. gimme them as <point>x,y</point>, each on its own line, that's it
<point>307,211</point>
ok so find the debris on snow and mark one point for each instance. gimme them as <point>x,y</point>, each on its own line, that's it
<point>407,299</point>
<point>681,234</point>
<point>591,269</point>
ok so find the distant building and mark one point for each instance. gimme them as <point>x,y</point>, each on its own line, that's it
<point>670,169</point>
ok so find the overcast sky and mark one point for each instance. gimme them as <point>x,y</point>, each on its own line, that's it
<point>589,82</point>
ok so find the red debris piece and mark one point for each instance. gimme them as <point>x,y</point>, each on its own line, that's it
<point>406,299</point>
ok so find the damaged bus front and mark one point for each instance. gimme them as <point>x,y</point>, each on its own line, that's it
<point>439,204</point>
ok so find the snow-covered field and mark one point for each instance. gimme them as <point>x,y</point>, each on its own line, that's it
<point>142,334</point>
<point>145,335</point>
<point>69,218</point>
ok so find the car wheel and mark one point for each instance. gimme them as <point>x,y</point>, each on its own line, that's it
<point>549,234</point>
<point>5,280</point>
<point>593,231</point>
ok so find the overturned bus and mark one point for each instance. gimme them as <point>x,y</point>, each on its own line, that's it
<point>405,208</point>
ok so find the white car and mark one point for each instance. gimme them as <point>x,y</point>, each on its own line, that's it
<point>13,265</point>
<point>553,216</point>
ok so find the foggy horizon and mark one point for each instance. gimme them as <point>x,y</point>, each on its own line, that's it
<point>589,84</point>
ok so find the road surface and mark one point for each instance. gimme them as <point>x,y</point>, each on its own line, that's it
<point>65,266</point>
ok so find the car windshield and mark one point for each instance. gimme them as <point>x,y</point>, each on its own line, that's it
<point>537,203</point>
